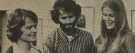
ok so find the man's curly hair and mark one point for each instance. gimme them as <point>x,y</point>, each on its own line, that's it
<point>68,6</point>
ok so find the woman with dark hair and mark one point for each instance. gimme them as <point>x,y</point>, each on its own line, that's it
<point>115,31</point>
<point>68,38</point>
<point>2,14</point>
<point>22,26</point>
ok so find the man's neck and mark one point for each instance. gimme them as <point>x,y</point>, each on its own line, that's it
<point>69,31</point>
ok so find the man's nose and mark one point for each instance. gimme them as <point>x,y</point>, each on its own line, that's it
<point>33,29</point>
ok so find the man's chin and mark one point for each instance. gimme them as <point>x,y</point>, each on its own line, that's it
<point>68,27</point>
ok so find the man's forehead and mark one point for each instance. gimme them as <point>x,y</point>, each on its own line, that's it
<point>29,21</point>
<point>63,11</point>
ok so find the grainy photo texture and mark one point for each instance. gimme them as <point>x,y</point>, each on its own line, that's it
<point>67,26</point>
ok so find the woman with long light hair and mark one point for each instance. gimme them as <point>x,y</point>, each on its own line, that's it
<point>115,31</point>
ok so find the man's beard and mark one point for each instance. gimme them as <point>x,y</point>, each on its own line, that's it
<point>69,25</point>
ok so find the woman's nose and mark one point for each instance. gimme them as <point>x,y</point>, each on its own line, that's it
<point>108,18</point>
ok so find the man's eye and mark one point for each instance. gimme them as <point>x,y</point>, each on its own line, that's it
<point>70,16</point>
<point>28,27</point>
<point>63,17</point>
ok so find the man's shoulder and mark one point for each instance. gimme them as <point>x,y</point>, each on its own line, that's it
<point>84,31</point>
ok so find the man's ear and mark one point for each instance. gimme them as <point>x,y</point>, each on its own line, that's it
<point>81,22</point>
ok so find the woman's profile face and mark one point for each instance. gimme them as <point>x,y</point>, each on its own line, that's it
<point>108,17</point>
<point>29,30</point>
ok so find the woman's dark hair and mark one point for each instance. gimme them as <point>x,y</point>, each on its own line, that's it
<point>17,20</point>
<point>2,14</point>
<point>119,11</point>
<point>68,6</point>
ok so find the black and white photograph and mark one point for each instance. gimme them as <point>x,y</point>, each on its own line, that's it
<point>67,26</point>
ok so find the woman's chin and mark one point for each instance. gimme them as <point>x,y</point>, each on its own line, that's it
<point>110,27</point>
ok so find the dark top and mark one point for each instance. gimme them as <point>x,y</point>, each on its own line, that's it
<point>10,50</point>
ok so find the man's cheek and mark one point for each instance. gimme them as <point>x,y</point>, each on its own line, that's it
<point>27,31</point>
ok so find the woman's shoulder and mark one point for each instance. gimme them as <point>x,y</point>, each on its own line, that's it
<point>99,39</point>
<point>10,50</point>
<point>35,50</point>
<point>130,35</point>
<point>52,34</point>
<point>130,42</point>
